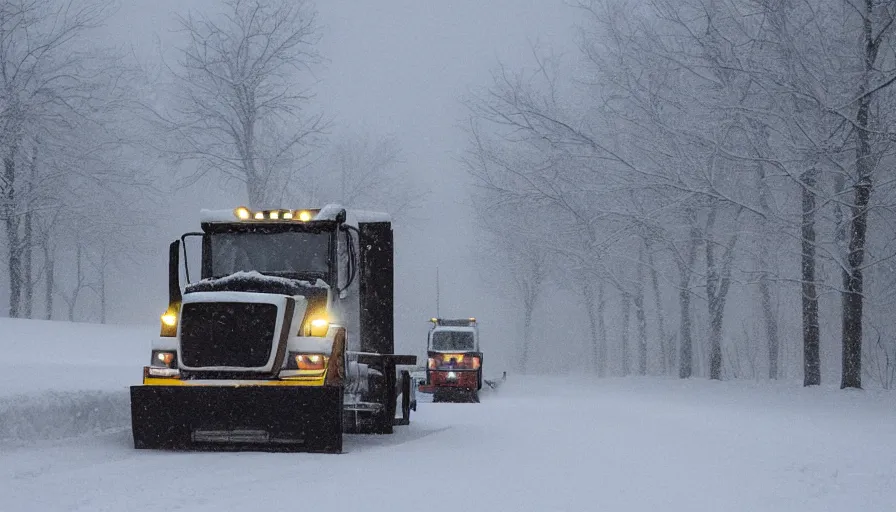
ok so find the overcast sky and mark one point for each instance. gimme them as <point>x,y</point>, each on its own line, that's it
<point>397,67</point>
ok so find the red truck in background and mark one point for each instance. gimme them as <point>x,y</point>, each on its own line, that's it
<point>454,361</point>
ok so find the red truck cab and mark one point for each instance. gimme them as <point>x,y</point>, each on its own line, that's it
<point>454,361</point>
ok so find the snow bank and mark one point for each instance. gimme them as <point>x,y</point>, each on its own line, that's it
<point>62,379</point>
<point>59,415</point>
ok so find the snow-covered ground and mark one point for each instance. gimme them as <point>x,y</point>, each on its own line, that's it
<point>70,356</point>
<point>563,443</point>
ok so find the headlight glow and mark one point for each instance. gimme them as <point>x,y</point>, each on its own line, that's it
<point>242,213</point>
<point>164,358</point>
<point>304,215</point>
<point>307,361</point>
<point>169,319</point>
<point>318,327</point>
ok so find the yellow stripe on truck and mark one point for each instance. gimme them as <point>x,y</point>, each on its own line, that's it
<point>291,381</point>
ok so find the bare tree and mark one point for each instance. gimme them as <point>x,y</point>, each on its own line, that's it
<point>522,268</point>
<point>239,109</point>
<point>811,342</point>
<point>877,25</point>
<point>367,171</point>
<point>705,128</point>
<point>56,126</point>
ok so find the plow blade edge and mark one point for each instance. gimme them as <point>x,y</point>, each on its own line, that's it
<point>265,418</point>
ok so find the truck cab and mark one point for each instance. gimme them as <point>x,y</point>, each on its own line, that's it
<point>284,339</point>
<point>454,360</point>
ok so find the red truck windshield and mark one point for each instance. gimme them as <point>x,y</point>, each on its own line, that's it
<point>453,340</point>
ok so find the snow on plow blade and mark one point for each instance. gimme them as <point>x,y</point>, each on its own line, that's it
<point>264,418</point>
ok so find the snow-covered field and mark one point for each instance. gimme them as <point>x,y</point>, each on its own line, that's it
<point>563,443</point>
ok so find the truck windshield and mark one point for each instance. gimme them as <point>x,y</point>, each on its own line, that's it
<point>288,253</point>
<point>452,340</point>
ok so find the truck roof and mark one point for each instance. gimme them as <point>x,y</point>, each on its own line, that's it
<point>327,213</point>
<point>469,328</point>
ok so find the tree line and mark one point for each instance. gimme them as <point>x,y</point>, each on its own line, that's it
<point>698,154</point>
<point>91,138</point>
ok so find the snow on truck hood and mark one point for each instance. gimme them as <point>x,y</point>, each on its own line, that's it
<point>258,277</point>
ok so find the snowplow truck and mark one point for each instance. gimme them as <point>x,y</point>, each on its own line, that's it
<point>454,361</point>
<point>285,340</point>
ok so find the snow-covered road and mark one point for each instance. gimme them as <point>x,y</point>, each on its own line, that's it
<point>539,444</point>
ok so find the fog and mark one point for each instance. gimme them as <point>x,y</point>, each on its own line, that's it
<point>691,188</point>
<point>397,68</point>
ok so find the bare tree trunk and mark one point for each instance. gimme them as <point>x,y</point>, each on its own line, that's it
<point>686,357</point>
<point>640,315</point>
<point>14,264</point>
<point>28,241</point>
<point>626,317</point>
<point>715,340</point>
<point>852,274</point>
<point>666,353</point>
<point>771,318</point>
<point>79,283</point>
<point>718,281</point>
<point>49,277</point>
<point>27,266</point>
<point>104,262</point>
<point>596,359</point>
<point>765,294</point>
<point>811,353</point>
<point>256,193</point>
<point>528,308</point>
<point>602,352</point>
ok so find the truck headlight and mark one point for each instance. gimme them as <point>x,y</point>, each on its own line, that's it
<point>298,361</point>
<point>169,321</point>
<point>318,327</point>
<point>164,358</point>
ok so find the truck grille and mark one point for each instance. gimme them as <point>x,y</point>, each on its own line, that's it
<point>233,334</point>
